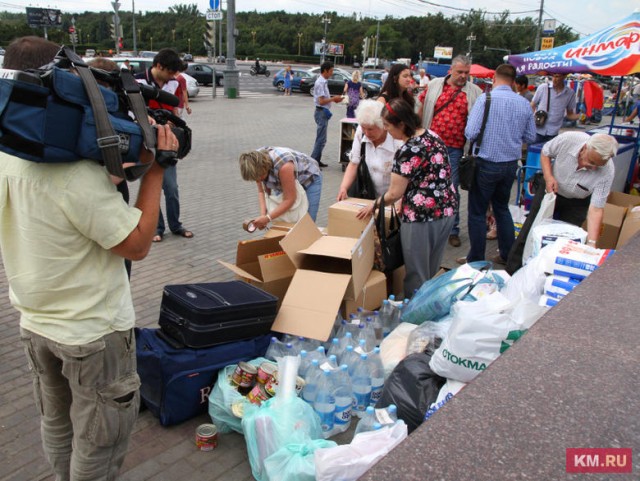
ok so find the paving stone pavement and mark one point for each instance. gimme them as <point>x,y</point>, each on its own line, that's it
<point>214,202</point>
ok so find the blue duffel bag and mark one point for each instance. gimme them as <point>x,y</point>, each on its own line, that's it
<point>176,382</point>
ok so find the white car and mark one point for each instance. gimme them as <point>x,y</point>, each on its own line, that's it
<point>192,86</point>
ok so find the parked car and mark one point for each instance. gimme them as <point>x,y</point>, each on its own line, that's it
<point>298,75</point>
<point>316,71</point>
<point>187,57</point>
<point>136,64</point>
<point>147,54</point>
<point>90,52</point>
<point>374,77</point>
<point>204,74</point>
<point>336,85</point>
<point>192,85</point>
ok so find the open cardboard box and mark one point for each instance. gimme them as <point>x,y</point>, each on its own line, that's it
<point>263,263</point>
<point>329,269</point>
<point>371,297</point>
<point>615,212</point>
<point>630,226</point>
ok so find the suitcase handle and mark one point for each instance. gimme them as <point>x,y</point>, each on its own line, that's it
<point>215,295</point>
<point>174,343</point>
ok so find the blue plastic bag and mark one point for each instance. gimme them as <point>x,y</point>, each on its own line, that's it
<point>434,298</point>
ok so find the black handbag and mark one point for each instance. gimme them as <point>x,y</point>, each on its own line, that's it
<point>388,246</point>
<point>362,187</point>
<point>541,116</point>
<point>467,164</point>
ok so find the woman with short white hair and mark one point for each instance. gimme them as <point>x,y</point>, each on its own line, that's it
<point>372,144</point>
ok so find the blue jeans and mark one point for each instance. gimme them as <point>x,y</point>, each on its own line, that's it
<point>172,201</point>
<point>544,138</point>
<point>314,190</point>
<point>493,185</point>
<point>454,160</point>
<point>321,133</point>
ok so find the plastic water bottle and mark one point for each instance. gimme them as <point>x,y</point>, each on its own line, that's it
<point>349,357</point>
<point>361,381</point>
<point>275,349</point>
<point>376,369</point>
<point>334,347</point>
<point>331,364</point>
<point>311,382</point>
<point>370,333</point>
<point>305,362</point>
<point>377,327</point>
<point>368,420</point>
<point>318,354</point>
<point>325,404</point>
<point>385,317</point>
<point>346,340</point>
<point>395,318</point>
<point>392,411</point>
<point>343,394</point>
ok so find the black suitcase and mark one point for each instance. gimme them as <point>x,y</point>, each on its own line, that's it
<point>203,315</point>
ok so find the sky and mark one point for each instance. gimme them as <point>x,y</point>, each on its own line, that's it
<point>583,16</point>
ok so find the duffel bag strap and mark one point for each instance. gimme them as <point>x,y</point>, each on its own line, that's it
<point>108,141</point>
<point>139,109</point>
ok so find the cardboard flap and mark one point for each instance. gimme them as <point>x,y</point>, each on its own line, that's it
<point>275,265</point>
<point>238,271</point>
<point>311,304</point>
<point>340,247</point>
<point>303,234</point>
<point>249,250</point>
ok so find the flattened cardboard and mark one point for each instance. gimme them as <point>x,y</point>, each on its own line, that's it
<point>630,226</point>
<point>371,297</point>
<point>311,304</point>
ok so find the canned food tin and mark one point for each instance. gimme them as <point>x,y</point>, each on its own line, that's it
<point>265,371</point>
<point>272,384</point>
<point>258,394</point>
<point>244,375</point>
<point>249,226</point>
<point>207,437</point>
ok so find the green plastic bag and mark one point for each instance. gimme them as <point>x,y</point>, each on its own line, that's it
<point>295,461</point>
<point>223,396</point>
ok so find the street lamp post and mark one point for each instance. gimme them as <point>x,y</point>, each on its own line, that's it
<point>173,35</point>
<point>471,38</point>
<point>326,21</point>
<point>151,42</point>
<point>189,41</point>
<point>299,38</point>
<point>253,35</point>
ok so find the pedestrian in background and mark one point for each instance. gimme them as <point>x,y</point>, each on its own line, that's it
<point>397,85</point>
<point>353,91</point>
<point>288,78</point>
<point>562,102</point>
<point>322,100</point>
<point>445,110</point>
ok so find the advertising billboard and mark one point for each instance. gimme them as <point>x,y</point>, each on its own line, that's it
<point>333,49</point>
<point>44,17</point>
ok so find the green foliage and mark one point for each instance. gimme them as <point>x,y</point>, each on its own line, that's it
<point>278,35</point>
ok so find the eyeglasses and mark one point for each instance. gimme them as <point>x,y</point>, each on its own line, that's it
<point>591,159</point>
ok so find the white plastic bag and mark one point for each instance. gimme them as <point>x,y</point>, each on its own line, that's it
<point>480,332</point>
<point>447,391</point>
<point>350,461</point>
<point>527,282</point>
<point>547,206</point>
<point>393,348</point>
<point>549,231</point>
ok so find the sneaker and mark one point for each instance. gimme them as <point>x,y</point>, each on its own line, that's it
<point>322,164</point>
<point>461,260</point>
<point>496,259</point>
<point>454,241</point>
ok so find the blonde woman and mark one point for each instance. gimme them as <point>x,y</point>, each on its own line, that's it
<point>288,78</point>
<point>275,170</point>
<point>353,90</point>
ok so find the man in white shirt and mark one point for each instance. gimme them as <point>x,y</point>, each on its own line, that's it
<point>322,100</point>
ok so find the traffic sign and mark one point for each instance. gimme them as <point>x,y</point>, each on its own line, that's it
<point>214,4</point>
<point>213,15</point>
<point>72,29</point>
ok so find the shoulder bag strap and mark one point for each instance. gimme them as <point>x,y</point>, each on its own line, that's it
<point>548,98</point>
<point>451,99</point>
<point>487,104</point>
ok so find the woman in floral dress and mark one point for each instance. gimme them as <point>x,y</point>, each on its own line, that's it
<point>421,177</point>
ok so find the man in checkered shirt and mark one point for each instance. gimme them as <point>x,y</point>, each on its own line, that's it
<point>578,168</point>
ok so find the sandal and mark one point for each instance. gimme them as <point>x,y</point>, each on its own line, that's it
<point>157,238</point>
<point>184,233</point>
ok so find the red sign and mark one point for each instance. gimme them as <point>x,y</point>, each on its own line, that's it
<point>599,460</point>
<point>72,29</point>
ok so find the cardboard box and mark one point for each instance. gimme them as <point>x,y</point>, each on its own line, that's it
<point>343,221</point>
<point>615,211</point>
<point>371,297</point>
<point>278,229</point>
<point>263,263</point>
<point>630,226</point>
<point>329,269</point>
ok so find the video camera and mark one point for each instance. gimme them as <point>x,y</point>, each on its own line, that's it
<point>60,113</point>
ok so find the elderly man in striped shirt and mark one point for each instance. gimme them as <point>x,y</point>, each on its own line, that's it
<point>581,175</point>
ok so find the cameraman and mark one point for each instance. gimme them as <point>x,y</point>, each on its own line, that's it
<point>166,64</point>
<point>64,230</point>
